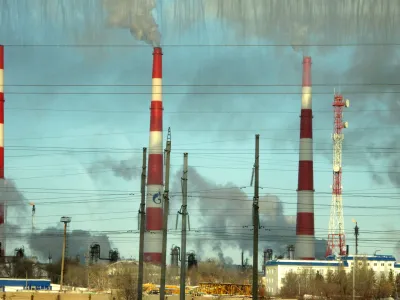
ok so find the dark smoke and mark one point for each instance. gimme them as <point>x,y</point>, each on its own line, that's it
<point>126,169</point>
<point>50,241</point>
<point>226,218</point>
<point>17,210</point>
<point>135,15</point>
<point>224,260</point>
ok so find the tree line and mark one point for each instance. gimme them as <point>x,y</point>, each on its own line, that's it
<point>337,284</point>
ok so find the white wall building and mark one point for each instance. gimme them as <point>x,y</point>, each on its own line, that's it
<point>277,269</point>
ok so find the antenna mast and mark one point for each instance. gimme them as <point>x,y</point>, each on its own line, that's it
<point>336,235</point>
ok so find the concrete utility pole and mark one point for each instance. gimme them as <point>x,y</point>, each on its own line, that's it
<point>355,260</point>
<point>184,215</point>
<point>165,216</point>
<point>64,220</point>
<point>142,212</point>
<point>255,219</point>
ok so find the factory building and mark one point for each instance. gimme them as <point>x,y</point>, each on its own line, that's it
<point>276,270</point>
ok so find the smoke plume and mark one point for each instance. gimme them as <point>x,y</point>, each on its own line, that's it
<point>50,240</point>
<point>135,15</point>
<point>226,217</point>
<point>126,169</point>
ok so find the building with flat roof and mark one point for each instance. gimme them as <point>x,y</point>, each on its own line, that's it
<point>276,270</point>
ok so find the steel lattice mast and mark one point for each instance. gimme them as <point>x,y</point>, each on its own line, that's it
<point>336,235</point>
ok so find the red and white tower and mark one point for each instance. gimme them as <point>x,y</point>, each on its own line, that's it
<point>305,243</point>
<point>2,201</point>
<point>336,236</point>
<point>155,174</point>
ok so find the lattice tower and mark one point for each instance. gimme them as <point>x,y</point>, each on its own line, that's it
<point>336,235</point>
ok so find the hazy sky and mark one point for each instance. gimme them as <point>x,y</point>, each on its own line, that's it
<point>68,112</point>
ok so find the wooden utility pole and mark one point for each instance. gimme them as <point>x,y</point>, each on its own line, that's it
<point>165,216</point>
<point>183,239</point>
<point>255,219</point>
<point>142,212</point>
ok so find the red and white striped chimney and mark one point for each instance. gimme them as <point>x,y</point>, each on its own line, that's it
<point>2,201</point>
<point>305,244</point>
<point>154,210</point>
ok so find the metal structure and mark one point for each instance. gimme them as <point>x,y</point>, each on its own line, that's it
<point>2,201</point>
<point>154,209</point>
<point>175,256</point>
<point>336,235</point>
<point>95,254</point>
<point>290,250</point>
<point>305,244</point>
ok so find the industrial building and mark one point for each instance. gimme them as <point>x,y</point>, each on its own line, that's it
<point>276,270</point>
<point>7,284</point>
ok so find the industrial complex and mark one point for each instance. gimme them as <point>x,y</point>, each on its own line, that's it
<point>301,256</point>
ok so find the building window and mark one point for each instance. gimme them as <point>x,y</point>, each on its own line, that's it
<point>382,264</point>
<point>389,265</point>
<point>375,264</point>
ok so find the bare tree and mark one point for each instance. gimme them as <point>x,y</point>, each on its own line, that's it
<point>124,281</point>
<point>291,283</point>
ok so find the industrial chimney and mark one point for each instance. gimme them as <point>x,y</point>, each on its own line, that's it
<point>2,201</point>
<point>305,248</point>
<point>154,210</point>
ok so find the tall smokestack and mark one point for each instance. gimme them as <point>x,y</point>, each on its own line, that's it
<point>2,201</point>
<point>154,210</point>
<point>305,248</point>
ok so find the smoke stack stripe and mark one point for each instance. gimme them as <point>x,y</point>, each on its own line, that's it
<point>154,210</point>
<point>305,248</point>
<point>2,206</point>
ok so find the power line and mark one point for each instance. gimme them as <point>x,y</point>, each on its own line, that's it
<point>200,93</point>
<point>202,85</point>
<point>190,112</point>
<point>203,45</point>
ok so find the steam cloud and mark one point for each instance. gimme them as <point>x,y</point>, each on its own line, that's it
<point>135,15</point>
<point>126,169</point>
<point>226,218</point>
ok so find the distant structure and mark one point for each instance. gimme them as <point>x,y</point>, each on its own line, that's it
<point>2,201</point>
<point>95,254</point>
<point>277,269</point>
<point>305,243</point>
<point>336,235</point>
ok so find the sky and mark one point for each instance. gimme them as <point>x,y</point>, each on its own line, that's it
<point>76,117</point>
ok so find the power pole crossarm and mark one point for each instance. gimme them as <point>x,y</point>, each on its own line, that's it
<point>184,215</point>
<point>256,218</point>
<point>142,213</point>
<point>165,216</point>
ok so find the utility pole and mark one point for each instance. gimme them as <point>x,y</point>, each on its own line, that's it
<point>255,219</point>
<point>142,212</point>
<point>355,259</point>
<point>64,220</point>
<point>184,215</point>
<point>165,216</point>
<point>356,233</point>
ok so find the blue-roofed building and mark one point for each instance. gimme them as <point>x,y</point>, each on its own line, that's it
<point>276,270</point>
<point>26,284</point>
